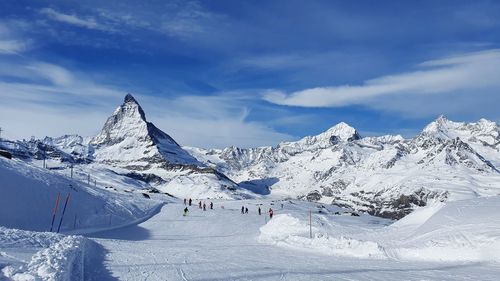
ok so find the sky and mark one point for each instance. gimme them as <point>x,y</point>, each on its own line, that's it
<point>247,73</point>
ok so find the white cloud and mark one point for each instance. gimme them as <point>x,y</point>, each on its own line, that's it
<point>210,121</point>
<point>49,99</point>
<point>9,42</point>
<point>11,46</point>
<point>472,72</point>
<point>88,22</point>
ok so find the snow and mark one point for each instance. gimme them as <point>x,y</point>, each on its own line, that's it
<point>444,184</point>
<point>223,244</point>
<point>466,230</point>
<point>29,194</point>
<point>287,231</point>
<point>54,256</point>
<point>448,161</point>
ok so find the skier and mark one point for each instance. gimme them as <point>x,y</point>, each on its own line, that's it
<point>211,205</point>
<point>281,205</point>
<point>242,209</point>
<point>259,211</point>
<point>186,211</point>
<point>199,205</point>
<point>204,207</point>
<point>270,213</point>
<point>246,210</point>
<point>190,201</point>
<point>185,201</point>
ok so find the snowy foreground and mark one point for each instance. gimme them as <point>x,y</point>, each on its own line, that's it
<point>130,237</point>
<point>459,241</point>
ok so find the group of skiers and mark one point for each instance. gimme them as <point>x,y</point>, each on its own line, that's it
<point>244,210</point>
<point>202,205</point>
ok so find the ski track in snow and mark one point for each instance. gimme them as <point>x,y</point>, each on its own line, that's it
<point>222,244</point>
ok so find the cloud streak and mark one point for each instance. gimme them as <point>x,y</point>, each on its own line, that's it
<point>467,72</point>
<point>89,22</point>
<point>40,98</point>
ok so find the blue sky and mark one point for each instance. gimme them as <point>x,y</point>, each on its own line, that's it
<point>247,73</point>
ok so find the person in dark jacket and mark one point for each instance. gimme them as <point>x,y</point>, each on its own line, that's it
<point>271,213</point>
<point>190,201</point>
<point>246,210</point>
<point>242,209</point>
<point>260,211</point>
<point>186,211</point>
<point>204,207</point>
<point>211,205</point>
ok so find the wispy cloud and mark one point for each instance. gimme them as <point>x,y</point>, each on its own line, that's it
<point>72,19</point>
<point>473,72</point>
<point>211,121</point>
<point>40,98</point>
<point>11,47</point>
<point>9,42</point>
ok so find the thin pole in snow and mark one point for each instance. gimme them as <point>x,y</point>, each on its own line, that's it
<point>64,210</point>
<point>54,211</point>
<point>310,224</point>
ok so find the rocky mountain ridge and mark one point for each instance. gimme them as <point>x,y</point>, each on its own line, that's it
<point>388,176</point>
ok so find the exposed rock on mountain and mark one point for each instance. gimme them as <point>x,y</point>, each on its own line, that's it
<point>386,176</point>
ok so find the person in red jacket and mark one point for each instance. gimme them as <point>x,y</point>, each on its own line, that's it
<point>271,213</point>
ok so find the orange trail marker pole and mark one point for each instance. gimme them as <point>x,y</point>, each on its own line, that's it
<point>54,211</point>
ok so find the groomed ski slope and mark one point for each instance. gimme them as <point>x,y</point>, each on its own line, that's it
<point>223,244</point>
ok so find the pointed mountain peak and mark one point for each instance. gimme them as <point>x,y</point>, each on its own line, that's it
<point>127,136</point>
<point>131,108</point>
<point>130,98</point>
<point>128,120</point>
<point>343,131</point>
<point>440,125</point>
<point>441,119</point>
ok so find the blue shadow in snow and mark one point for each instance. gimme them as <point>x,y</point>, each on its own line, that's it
<point>259,186</point>
<point>131,233</point>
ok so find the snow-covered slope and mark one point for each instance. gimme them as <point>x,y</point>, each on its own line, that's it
<point>28,197</point>
<point>463,230</point>
<point>128,140</point>
<point>386,176</point>
<point>130,146</point>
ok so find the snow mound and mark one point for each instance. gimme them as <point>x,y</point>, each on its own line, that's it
<point>467,230</point>
<point>58,257</point>
<point>287,231</point>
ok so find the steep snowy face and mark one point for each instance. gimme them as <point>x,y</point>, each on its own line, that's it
<point>128,138</point>
<point>483,137</point>
<point>484,131</point>
<point>341,132</point>
<point>386,175</point>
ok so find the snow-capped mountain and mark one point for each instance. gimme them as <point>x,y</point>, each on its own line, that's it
<point>128,140</point>
<point>130,146</point>
<point>387,176</point>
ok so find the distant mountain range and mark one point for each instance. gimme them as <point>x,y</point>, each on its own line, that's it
<point>386,176</point>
